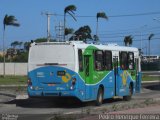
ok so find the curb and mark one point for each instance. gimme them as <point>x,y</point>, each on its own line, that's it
<point>7,94</point>
<point>13,85</point>
<point>155,81</point>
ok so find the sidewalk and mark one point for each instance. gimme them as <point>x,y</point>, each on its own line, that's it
<point>147,110</point>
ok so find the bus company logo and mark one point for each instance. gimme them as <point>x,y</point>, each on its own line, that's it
<point>66,78</point>
<point>124,76</point>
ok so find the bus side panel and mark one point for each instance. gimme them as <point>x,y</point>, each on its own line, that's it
<point>109,85</point>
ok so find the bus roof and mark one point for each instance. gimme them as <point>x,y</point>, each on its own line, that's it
<point>82,45</point>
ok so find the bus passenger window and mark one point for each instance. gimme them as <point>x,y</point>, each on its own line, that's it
<point>99,60</point>
<point>131,60</point>
<point>108,60</point>
<point>80,59</point>
<point>123,61</point>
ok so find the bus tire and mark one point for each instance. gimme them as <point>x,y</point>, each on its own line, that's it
<point>128,97</point>
<point>99,99</point>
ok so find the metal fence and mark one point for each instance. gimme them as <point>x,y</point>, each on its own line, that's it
<point>150,66</point>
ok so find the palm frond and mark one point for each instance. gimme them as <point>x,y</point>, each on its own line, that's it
<point>150,36</point>
<point>102,15</point>
<point>128,40</point>
<point>70,8</point>
<point>10,20</point>
<point>72,16</point>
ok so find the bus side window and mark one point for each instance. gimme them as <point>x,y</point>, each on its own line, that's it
<point>98,60</point>
<point>80,59</point>
<point>123,61</point>
<point>131,60</point>
<point>108,60</point>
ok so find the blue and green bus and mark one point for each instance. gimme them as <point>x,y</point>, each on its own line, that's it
<point>88,72</point>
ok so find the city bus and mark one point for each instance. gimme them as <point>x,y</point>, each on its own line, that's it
<point>89,72</point>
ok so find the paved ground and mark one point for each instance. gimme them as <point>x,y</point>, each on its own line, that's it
<point>155,109</point>
<point>41,109</point>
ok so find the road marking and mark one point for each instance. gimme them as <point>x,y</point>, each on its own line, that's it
<point>72,112</point>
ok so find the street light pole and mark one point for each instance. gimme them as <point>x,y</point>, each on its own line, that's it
<point>4,57</point>
<point>142,27</point>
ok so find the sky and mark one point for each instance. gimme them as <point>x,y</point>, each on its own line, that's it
<point>126,17</point>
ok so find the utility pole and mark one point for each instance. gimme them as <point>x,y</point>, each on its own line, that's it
<point>48,24</point>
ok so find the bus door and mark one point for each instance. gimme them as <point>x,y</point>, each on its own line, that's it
<point>115,66</point>
<point>126,66</point>
<point>87,70</point>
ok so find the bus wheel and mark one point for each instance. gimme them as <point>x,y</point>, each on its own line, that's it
<point>128,97</point>
<point>99,99</point>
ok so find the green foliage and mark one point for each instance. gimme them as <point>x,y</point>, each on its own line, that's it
<point>10,20</point>
<point>82,34</point>
<point>1,58</point>
<point>16,80</point>
<point>69,31</point>
<point>27,45</point>
<point>21,57</point>
<point>38,40</point>
<point>102,15</point>
<point>95,38</point>
<point>128,40</point>
<point>70,10</point>
<point>150,36</point>
<point>16,43</point>
<point>149,78</point>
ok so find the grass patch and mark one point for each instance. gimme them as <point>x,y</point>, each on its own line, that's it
<point>150,78</point>
<point>13,80</point>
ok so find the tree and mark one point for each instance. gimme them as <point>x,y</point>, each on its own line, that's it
<point>100,15</point>
<point>128,40</point>
<point>38,40</point>
<point>20,44</point>
<point>70,10</point>
<point>82,34</point>
<point>12,21</point>
<point>69,31</point>
<point>14,44</point>
<point>149,39</point>
<point>95,38</point>
<point>27,46</point>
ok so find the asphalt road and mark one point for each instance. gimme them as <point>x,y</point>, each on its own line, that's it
<point>46,109</point>
<point>42,109</point>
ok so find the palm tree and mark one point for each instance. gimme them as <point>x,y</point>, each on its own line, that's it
<point>95,38</point>
<point>8,20</point>
<point>70,10</point>
<point>69,31</point>
<point>20,44</point>
<point>14,44</point>
<point>100,15</point>
<point>128,40</point>
<point>149,39</point>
